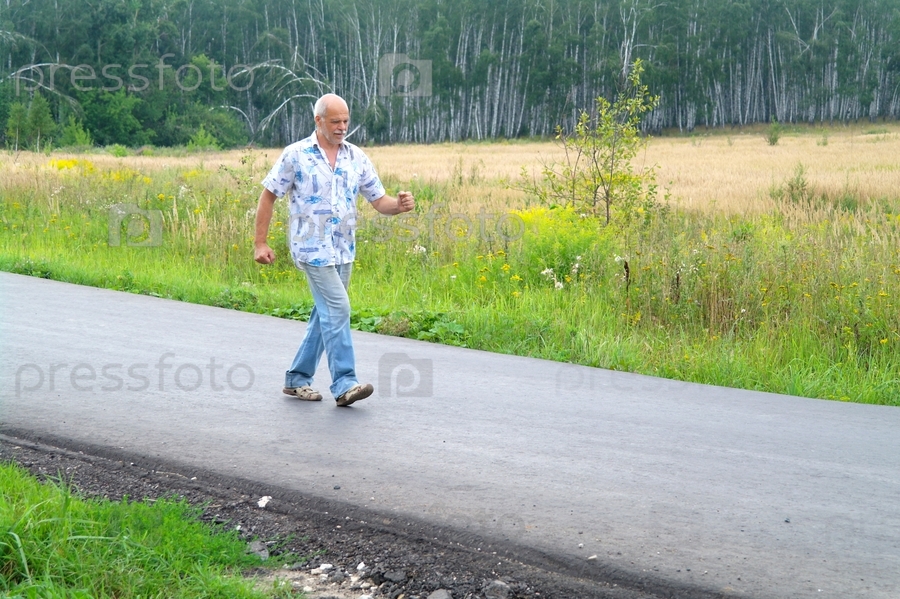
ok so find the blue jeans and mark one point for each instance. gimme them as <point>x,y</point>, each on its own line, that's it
<point>328,330</point>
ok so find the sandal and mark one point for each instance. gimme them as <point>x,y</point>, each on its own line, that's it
<point>306,393</point>
<point>354,394</point>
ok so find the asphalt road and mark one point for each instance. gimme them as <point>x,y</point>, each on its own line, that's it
<point>736,492</point>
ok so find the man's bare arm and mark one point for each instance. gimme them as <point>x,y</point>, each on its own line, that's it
<point>404,202</point>
<point>262,253</point>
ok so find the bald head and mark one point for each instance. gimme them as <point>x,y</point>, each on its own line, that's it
<point>332,120</point>
<point>328,101</point>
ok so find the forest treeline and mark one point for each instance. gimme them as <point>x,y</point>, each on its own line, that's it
<point>137,72</point>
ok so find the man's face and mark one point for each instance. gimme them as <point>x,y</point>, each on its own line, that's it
<point>333,126</point>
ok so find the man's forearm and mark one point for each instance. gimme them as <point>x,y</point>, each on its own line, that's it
<point>392,206</point>
<point>264,210</point>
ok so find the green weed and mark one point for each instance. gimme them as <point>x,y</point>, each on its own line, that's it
<point>55,544</point>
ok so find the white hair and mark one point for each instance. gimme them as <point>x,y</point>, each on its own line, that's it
<point>321,106</point>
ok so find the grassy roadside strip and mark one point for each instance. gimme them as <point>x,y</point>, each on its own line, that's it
<point>801,299</point>
<point>55,544</point>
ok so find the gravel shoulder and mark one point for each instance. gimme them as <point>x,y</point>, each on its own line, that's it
<point>348,553</point>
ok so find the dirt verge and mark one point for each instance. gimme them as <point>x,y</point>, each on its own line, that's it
<point>348,552</point>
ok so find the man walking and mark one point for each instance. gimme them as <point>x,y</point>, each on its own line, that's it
<point>322,175</point>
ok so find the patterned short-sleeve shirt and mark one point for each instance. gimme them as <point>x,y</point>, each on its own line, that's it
<point>322,201</point>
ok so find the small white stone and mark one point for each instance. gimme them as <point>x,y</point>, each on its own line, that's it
<point>366,585</point>
<point>308,589</point>
<point>361,566</point>
<point>263,501</point>
<point>593,557</point>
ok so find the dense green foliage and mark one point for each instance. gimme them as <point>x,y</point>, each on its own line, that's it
<point>136,72</point>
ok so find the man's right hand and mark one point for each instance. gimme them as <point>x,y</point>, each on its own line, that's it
<point>264,254</point>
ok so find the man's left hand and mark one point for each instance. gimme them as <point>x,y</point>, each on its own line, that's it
<point>405,202</point>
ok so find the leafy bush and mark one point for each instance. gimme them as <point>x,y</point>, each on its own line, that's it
<point>74,135</point>
<point>117,150</point>
<point>773,134</point>
<point>203,140</point>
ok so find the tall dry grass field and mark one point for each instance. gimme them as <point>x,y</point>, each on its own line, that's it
<point>729,173</point>
<point>734,174</point>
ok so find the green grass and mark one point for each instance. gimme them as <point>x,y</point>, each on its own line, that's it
<point>55,544</point>
<point>802,301</point>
